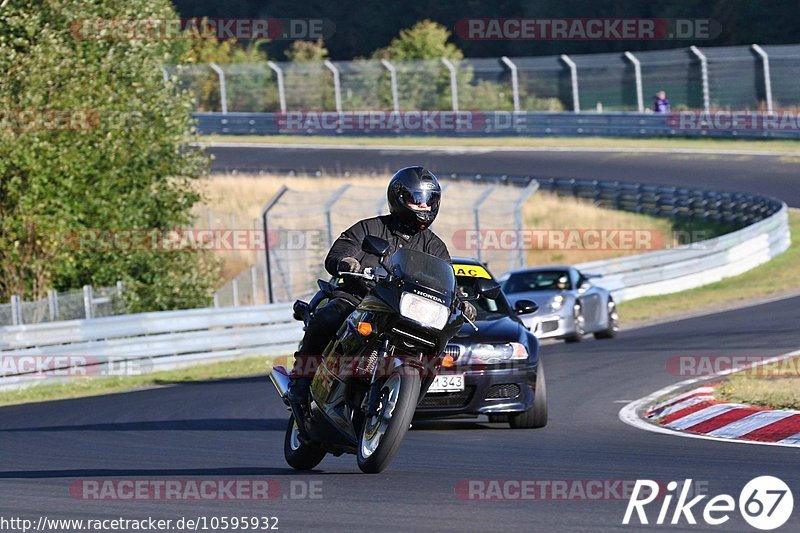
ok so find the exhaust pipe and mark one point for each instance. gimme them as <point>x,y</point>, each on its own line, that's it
<point>280,379</point>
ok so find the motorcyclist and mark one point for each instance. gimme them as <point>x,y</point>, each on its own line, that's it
<point>414,196</point>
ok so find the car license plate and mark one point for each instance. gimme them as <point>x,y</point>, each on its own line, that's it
<point>447,383</point>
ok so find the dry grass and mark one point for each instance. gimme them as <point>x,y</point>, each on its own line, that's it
<point>245,195</point>
<point>779,389</point>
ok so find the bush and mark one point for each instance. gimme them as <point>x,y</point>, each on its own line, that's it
<point>123,165</point>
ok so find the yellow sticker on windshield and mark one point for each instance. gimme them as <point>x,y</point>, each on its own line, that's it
<point>473,271</point>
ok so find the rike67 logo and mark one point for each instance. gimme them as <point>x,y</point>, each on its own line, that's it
<point>765,503</point>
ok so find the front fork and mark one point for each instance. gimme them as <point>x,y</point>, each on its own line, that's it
<point>374,387</point>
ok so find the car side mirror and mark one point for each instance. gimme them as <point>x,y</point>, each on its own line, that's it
<point>376,245</point>
<point>488,288</point>
<point>525,307</point>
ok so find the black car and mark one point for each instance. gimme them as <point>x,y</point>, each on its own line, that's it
<point>496,370</point>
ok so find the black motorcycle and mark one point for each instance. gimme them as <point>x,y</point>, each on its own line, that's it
<point>377,368</point>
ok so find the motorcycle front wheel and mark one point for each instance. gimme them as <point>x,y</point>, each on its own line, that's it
<point>383,434</point>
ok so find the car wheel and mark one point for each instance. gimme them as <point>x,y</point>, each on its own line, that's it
<point>536,415</point>
<point>613,323</point>
<point>579,324</point>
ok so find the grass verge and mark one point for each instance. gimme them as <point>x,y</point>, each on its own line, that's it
<point>765,145</point>
<point>779,276</point>
<point>779,388</point>
<point>94,386</point>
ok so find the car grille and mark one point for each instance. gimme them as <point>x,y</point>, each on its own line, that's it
<point>453,350</point>
<point>549,325</point>
<point>497,392</point>
<point>447,399</point>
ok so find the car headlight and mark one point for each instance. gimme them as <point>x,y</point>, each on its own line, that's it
<point>557,302</point>
<point>425,311</point>
<point>488,354</point>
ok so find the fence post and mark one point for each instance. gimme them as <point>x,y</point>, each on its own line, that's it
<point>253,282</point>
<point>216,299</point>
<point>532,187</point>
<point>265,225</point>
<point>337,88</point>
<point>767,79</point>
<point>165,75</point>
<point>514,81</point>
<point>328,206</point>
<point>235,290</point>
<point>16,310</point>
<point>52,305</point>
<point>393,78</point>
<point>223,93</point>
<point>704,76</point>
<point>476,208</point>
<point>453,82</point>
<point>281,90</point>
<point>637,71</point>
<point>88,298</point>
<point>573,71</point>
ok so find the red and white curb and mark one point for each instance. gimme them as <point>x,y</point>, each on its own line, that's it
<point>697,414</point>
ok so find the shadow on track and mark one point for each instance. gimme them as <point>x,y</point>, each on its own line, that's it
<point>220,424</point>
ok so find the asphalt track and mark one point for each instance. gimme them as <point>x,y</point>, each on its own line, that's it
<point>777,176</point>
<point>233,429</point>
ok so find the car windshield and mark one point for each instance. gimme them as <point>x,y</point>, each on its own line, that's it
<point>488,309</point>
<point>537,280</point>
<point>425,270</point>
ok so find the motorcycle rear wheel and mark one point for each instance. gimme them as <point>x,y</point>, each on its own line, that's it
<point>299,455</point>
<point>382,435</point>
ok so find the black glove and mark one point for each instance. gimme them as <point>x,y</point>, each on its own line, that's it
<point>469,310</point>
<point>348,264</point>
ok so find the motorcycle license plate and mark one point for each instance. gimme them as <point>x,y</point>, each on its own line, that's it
<point>447,383</point>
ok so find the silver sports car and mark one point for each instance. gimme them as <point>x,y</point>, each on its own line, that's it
<point>570,306</point>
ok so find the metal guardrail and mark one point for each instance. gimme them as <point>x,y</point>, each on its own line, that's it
<point>180,338</point>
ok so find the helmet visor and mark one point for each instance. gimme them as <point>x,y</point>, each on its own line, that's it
<point>424,200</point>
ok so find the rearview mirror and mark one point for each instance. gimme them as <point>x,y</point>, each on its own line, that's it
<point>488,288</point>
<point>376,245</point>
<point>525,307</point>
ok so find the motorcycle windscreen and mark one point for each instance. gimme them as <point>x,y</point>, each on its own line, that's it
<point>424,270</point>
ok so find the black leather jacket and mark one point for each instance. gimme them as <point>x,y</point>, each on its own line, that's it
<point>350,244</point>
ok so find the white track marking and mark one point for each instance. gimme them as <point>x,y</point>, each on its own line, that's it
<point>703,415</point>
<point>750,423</point>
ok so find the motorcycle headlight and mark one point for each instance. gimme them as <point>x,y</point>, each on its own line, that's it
<point>557,302</point>
<point>488,354</point>
<point>425,311</point>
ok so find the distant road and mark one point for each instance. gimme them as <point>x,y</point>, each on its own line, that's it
<point>774,175</point>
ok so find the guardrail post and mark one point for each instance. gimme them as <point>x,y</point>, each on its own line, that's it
<point>265,225</point>
<point>532,187</point>
<point>235,290</point>
<point>573,70</point>
<point>88,300</point>
<point>52,305</point>
<point>216,299</point>
<point>514,81</point>
<point>281,90</point>
<point>637,70</point>
<point>337,89</point>
<point>704,76</point>
<point>253,282</point>
<point>767,79</point>
<point>393,81</point>
<point>223,93</point>
<point>16,310</point>
<point>476,208</point>
<point>165,75</point>
<point>453,82</point>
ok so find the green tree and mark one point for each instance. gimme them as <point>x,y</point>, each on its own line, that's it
<point>121,162</point>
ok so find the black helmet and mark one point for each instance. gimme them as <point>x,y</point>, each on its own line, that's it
<point>410,188</point>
